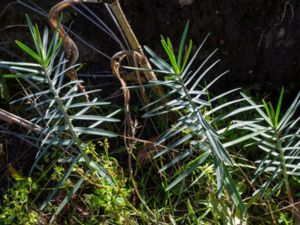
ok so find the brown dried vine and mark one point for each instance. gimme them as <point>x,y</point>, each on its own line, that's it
<point>69,45</point>
<point>130,124</point>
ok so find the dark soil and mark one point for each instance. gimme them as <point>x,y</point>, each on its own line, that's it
<point>258,39</point>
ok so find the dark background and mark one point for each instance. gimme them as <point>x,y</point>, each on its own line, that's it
<point>258,40</point>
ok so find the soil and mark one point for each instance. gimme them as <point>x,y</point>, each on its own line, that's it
<point>258,40</point>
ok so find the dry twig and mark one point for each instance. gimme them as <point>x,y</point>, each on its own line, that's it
<point>14,119</point>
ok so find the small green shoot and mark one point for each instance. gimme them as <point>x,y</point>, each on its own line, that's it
<point>42,55</point>
<point>274,116</point>
<point>178,63</point>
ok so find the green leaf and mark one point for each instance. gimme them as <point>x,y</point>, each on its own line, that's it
<point>264,116</point>
<point>196,73</point>
<point>289,113</point>
<point>21,64</point>
<point>67,199</point>
<point>34,34</point>
<point>95,131</point>
<point>242,138</point>
<point>278,108</point>
<point>178,142</point>
<point>85,104</point>
<point>272,111</point>
<point>196,163</point>
<point>181,45</point>
<point>94,118</point>
<point>168,49</point>
<point>30,25</point>
<point>45,42</point>
<point>159,62</point>
<point>61,182</point>
<point>55,44</point>
<point>101,172</point>
<point>233,192</point>
<point>196,83</point>
<point>183,155</point>
<point>29,51</point>
<point>39,43</point>
<point>150,70</point>
<point>218,148</point>
<point>187,55</point>
<point>185,72</point>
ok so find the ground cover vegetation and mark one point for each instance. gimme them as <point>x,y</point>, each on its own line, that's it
<point>162,149</point>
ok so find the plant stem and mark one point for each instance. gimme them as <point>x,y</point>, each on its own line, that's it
<point>75,137</point>
<point>136,188</point>
<point>121,18</point>
<point>134,43</point>
<point>284,169</point>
